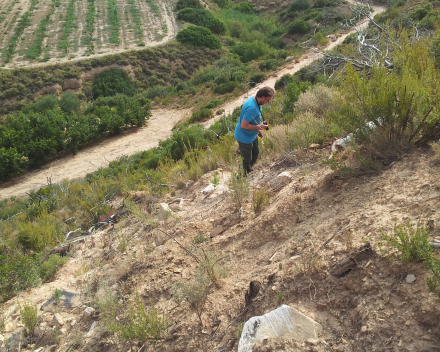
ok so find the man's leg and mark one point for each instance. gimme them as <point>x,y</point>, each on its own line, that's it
<point>255,152</point>
<point>246,155</point>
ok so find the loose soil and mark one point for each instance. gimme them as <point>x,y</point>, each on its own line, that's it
<point>371,308</point>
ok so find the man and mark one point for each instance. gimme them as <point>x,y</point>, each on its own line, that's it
<point>250,125</point>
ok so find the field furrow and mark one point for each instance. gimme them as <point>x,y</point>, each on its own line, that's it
<point>54,31</point>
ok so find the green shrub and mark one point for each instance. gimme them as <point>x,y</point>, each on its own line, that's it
<point>198,36</point>
<point>256,78</point>
<point>283,81</point>
<point>69,103</point>
<point>413,243</point>
<point>299,5</point>
<point>216,26</point>
<point>112,82</point>
<point>225,87</point>
<point>245,7</point>
<point>299,26</point>
<point>17,274</point>
<point>239,186</point>
<point>260,199</point>
<point>268,64</point>
<point>141,325</point>
<point>223,3</point>
<point>201,115</point>
<point>29,317</point>
<point>50,267</point>
<point>195,4</point>
<point>251,51</point>
<point>213,103</point>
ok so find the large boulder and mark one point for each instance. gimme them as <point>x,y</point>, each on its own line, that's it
<point>283,323</point>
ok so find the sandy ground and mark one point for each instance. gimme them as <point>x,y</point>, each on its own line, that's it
<point>371,309</point>
<point>159,128</point>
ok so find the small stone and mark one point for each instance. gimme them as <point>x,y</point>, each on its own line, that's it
<point>295,257</point>
<point>88,312</point>
<point>39,349</point>
<point>364,328</point>
<point>57,319</point>
<point>209,189</point>
<point>177,270</point>
<point>407,323</point>
<point>217,231</point>
<point>164,211</point>
<point>314,146</point>
<point>220,189</point>
<point>312,341</point>
<point>63,331</point>
<point>410,278</point>
<point>344,341</point>
<point>2,340</point>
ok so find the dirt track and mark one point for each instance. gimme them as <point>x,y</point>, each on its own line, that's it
<point>159,128</point>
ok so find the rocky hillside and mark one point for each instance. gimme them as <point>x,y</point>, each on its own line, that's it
<point>302,250</point>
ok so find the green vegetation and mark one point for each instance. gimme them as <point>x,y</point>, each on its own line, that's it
<point>68,25</point>
<point>37,47</point>
<point>136,17</point>
<point>202,17</point>
<point>198,36</point>
<point>413,244</point>
<point>112,82</point>
<point>113,21</point>
<point>22,23</point>
<point>153,7</point>
<point>4,13</point>
<point>50,267</point>
<point>90,26</point>
<point>29,317</point>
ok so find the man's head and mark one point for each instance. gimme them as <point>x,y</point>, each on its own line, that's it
<point>264,95</point>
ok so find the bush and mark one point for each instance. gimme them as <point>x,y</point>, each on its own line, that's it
<point>198,36</point>
<point>201,115</point>
<point>239,186</point>
<point>245,7</point>
<point>260,199</point>
<point>283,81</point>
<point>223,3</point>
<point>213,103</point>
<point>251,51</point>
<point>269,64</point>
<point>299,27</point>
<point>141,325</point>
<point>29,317</point>
<point>50,267</point>
<point>225,87</point>
<point>216,26</point>
<point>17,274</point>
<point>69,103</point>
<point>195,4</point>
<point>256,78</point>
<point>306,129</point>
<point>320,100</point>
<point>112,82</point>
<point>299,5</point>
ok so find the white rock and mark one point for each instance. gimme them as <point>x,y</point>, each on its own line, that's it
<point>91,330</point>
<point>209,189</point>
<point>39,349</point>
<point>164,211</point>
<point>410,278</point>
<point>73,322</point>
<point>280,181</point>
<point>63,331</point>
<point>2,340</point>
<point>289,58</point>
<point>88,312</point>
<point>282,323</point>
<point>57,319</point>
<point>220,189</point>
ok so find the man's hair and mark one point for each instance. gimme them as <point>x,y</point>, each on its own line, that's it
<point>265,92</point>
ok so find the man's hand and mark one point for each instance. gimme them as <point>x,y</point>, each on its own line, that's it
<point>260,134</point>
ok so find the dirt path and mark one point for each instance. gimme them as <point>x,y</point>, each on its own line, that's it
<point>159,128</point>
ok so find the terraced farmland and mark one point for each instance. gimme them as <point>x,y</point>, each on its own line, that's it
<point>35,32</point>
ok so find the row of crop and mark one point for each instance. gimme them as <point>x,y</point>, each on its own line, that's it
<point>37,47</point>
<point>154,8</point>
<point>90,26</point>
<point>136,18</point>
<point>4,13</point>
<point>23,22</point>
<point>113,21</point>
<point>68,26</point>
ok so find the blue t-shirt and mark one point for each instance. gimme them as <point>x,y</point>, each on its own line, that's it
<point>250,112</point>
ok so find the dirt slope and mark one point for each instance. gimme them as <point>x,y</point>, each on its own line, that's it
<point>372,308</point>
